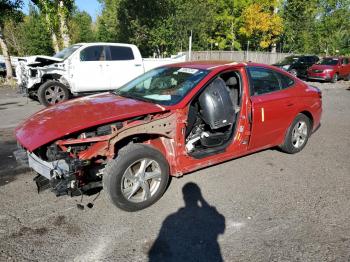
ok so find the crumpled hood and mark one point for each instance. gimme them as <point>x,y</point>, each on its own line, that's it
<point>74,115</point>
<point>40,59</point>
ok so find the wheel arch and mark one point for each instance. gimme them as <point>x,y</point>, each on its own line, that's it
<point>309,115</point>
<point>159,142</point>
<point>305,112</point>
<point>57,77</point>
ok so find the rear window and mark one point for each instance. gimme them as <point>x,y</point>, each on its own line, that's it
<point>118,53</point>
<point>285,80</point>
<point>329,61</point>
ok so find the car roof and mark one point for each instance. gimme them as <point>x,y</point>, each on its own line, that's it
<point>207,65</point>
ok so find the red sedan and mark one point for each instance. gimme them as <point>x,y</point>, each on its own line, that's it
<point>168,122</point>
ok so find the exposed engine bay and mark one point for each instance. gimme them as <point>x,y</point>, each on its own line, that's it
<point>74,165</point>
<point>212,116</point>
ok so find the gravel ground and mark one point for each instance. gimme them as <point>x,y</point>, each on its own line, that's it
<point>268,206</point>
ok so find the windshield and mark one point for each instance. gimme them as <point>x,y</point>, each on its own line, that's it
<point>289,60</point>
<point>329,61</point>
<point>65,53</point>
<point>164,85</point>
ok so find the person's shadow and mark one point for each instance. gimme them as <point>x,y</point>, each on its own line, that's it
<point>191,233</point>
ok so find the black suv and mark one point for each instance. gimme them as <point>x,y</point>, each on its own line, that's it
<point>297,65</point>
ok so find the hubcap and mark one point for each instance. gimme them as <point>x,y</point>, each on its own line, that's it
<point>141,180</point>
<point>54,94</point>
<point>299,134</point>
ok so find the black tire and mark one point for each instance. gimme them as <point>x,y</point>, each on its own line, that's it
<point>114,177</point>
<point>58,91</point>
<point>290,146</point>
<point>335,78</point>
<point>347,78</point>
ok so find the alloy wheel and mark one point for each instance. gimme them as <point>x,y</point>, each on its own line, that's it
<point>299,134</point>
<point>54,94</point>
<point>141,180</point>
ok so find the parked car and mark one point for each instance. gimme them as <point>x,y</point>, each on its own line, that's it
<point>297,65</point>
<point>169,121</point>
<point>83,68</point>
<point>2,69</point>
<point>330,69</point>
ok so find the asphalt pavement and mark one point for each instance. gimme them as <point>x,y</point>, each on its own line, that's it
<point>267,206</point>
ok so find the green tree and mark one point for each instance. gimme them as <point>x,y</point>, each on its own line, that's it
<point>107,22</point>
<point>299,25</point>
<point>8,10</point>
<point>35,40</point>
<point>334,26</point>
<point>81,28</point>
<point>138,21</point>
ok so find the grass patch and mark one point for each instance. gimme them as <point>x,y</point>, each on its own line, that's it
<point>8,83</point>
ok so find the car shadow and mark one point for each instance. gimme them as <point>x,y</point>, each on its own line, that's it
<point>190,234</point>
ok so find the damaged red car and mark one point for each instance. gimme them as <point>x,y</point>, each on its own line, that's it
<point>167,122</point>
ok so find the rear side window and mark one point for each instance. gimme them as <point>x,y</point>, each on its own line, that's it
<point>93,53</point>
<point>345,61</point>
<point>286,81</point>
<point>263,81</point>
<point>118,53</point>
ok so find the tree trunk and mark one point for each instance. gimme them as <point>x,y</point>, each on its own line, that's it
<point>3,45</point>
<point>63,24</point>
<point>52,33</point>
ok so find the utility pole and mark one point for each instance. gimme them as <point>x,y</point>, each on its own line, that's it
<point>190,47</point>
<point>247,49</point>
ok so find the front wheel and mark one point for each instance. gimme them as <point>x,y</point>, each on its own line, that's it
<point>297,135</point>
<point>52,92</point>
<point>137,178</point>
<point>334,78</point>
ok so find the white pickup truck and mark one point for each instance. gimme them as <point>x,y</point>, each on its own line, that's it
<point>83,68</point>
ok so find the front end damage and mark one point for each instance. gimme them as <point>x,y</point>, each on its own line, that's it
<point>74,165</point>
<point>31,72</point>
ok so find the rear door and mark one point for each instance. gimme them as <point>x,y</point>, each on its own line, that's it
<point>123,66</point>
<point>344,69</point>
<point>273,106</point>
<point>89,70</point>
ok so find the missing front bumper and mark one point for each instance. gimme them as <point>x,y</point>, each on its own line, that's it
<point>50,170</point>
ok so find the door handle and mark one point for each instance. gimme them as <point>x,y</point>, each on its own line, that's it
<point>289,104</point>
<point>138,65</point>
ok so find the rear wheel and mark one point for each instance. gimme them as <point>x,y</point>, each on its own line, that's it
<point>137,178</point>
<point>52,92</point>
<point>297,135</point>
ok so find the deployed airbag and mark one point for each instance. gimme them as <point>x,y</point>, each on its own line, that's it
<point>216,105</point>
